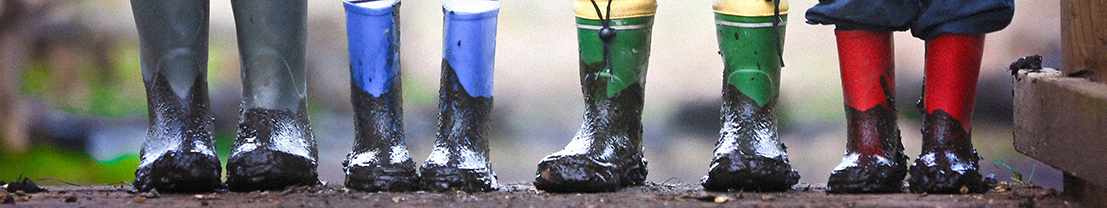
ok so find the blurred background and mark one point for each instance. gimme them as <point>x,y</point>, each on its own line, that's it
<point>73,108</point>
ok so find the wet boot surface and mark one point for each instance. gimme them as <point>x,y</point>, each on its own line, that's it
<point>874,160</point>
<point>871,172</point>
<point>948,162</point>
<point>459,161</point>
<point>178,154</point>
<point>380,160</point>
<point>180,141</point>
<point>748,155</point>
<point>274,149</point>
<point>606,153</point>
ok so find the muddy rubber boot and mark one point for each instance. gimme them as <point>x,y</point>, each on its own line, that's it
<point>749,156</point>
<point>948,162</point>
<point>274,147</point>
<point>179,152</point>
<point>606,153</point>
<point>459,161</point>
<point>874,161</point>
<point>379,160</point>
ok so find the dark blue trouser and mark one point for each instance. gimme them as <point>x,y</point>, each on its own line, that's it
<point>926,18</point>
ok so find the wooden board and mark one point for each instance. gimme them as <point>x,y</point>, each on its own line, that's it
<point>1062,122</point>
<point>1084,37</point>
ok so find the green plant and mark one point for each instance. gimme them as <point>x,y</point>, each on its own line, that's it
<point>1018,176</point>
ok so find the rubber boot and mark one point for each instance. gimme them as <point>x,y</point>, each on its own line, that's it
<point>948,162</point>
<point>606,152</point>
<point>275,147</point>
<point>749,156</point>
<point>379,160</point>
<point>179,152</point>
<point>459,161</point>
<point>874,161</point>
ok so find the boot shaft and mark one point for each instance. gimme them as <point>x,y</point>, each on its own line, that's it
<point>952,70</point>
<point>751,36</point>
<point>867,62</point>
<point>374,44</point>
<point>271,42</point>
<point>613,66</point>
<point>469,45</point>
<point>609,67</point>
<point>275,145</point>
<point>868,85</point>
<point>173,40</point>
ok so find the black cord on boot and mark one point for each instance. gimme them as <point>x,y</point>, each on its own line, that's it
<point>776,31</point>
<point>607,34</point>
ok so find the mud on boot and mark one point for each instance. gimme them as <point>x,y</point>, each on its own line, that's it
<point>456,168</point>
<point>274,149</point>
<point>459,161</point>
<point>614,50</point>
<point>380,177</point>
<point>748,155</point>
<point>178,154</point>
<point>948,161</point>
<point>874,161</point>
<point>567,171</point>
<point>868,174</point>
<point>178,171</point>
<point>606,154</point>
<point>275,146</point>
<point>379,160</point>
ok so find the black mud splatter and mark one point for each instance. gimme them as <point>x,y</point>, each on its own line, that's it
<point>379,128</point>
<point>1030,62</point>
<point>182,169</point>
<point>948,161</point>
<point>610,152</point>
<point>873,138</point>
<point>264,168</point>
<point>26,185</point>
<point>462,130</point>
<point>740,167</point>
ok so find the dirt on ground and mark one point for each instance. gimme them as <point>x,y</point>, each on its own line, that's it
<point>524,195</point>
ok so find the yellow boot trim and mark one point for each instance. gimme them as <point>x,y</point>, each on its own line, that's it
<point>746,8</point>
<point>620,9</point>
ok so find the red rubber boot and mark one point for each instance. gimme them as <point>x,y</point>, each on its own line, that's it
<point>948,162</point>
<point>874,161</point>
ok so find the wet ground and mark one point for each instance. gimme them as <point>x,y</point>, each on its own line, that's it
<point>650,195</point>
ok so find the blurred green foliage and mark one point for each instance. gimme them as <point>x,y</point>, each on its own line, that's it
<point>67,165</point>
<point>115,91</point>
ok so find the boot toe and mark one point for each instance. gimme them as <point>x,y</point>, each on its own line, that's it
<point>944,179</point>
<point>750,173</point>
<point>383,177</point>
<point>580,173</point>
<point>180,172</point>
<point>868,177</point>
<point>264,169</point>
<point>445,178</point>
